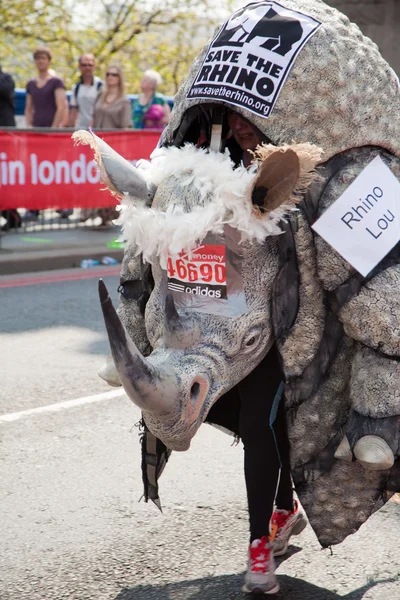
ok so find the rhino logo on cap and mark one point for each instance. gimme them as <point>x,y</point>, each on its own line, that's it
<point>261,21</point>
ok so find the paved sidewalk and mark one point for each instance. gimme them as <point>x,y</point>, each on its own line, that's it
<point>44,250</point>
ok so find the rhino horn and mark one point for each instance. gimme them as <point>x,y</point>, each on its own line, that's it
<point>343,451</point>
<point>373,453</point>
<point>120,176</point>
<point>148,387</point>
<point>172,318</point>
<point>172,323</point>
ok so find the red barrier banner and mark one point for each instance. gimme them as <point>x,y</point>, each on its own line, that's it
<point>46,170</point>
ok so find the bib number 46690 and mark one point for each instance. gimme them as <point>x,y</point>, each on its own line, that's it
<point>206,272</point>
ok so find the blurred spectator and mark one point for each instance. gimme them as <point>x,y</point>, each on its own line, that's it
<point>64,120</point>
<point>7,119</point>
<point>64,214</point>
<point>113,108</point>
<point>142,109</point>
<point>45,100</point>
<point>84,93</point>
<point>45,94</point>
<point>7,100</point>
<point>111,111</point>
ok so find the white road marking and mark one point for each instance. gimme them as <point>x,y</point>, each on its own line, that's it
<point>62,405</point>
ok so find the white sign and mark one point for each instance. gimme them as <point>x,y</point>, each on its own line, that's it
<point>363,225</point>
<point>251,56</point>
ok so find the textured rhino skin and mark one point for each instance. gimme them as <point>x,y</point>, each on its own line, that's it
<point>351,384</point>
<point>337,383</point>
<point>338,333</point>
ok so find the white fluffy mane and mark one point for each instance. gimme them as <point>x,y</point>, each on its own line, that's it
<point>227,195</point>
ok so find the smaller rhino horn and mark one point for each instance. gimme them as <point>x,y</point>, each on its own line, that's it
<point>343,451</point>
<point>180,331</point>
<point>373,453</point>
<point>172,318</point>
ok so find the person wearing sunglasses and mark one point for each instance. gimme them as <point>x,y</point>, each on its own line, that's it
<point>84,93</point>
<point>112,111</point>
<point>113,108</point>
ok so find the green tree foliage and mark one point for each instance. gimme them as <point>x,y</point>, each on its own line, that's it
<point>162,34</point>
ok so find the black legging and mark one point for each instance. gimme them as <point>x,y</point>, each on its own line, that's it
<point>246,410</point>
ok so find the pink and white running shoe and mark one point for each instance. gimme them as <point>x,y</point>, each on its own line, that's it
<point>284,524</point>
<point>260,577</point>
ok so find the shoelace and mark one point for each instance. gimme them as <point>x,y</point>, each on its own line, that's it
<point>259,556</point>
<point>280,518</point>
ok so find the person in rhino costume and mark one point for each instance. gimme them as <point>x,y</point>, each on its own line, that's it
<point>336,331</point>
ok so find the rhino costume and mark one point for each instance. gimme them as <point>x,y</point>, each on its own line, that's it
<point>327,107</point>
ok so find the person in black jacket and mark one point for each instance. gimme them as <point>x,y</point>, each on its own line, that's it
<point>7,119</point>
<point>7,102</point>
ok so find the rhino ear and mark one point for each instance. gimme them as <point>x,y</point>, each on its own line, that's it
<point>276,180</point>
<point>119,175</point>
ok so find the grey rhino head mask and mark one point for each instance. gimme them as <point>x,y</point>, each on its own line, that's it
<point>337,332</point>
<point>205,343</point>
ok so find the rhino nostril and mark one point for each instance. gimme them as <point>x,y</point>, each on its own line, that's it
<point>195,391</point>
<point>195,402</point>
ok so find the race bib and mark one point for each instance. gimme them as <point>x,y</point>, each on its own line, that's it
<point>203,273</point>
<point>209,278</point>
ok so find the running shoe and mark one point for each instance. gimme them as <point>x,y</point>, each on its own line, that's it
<point>284,524</point>
<point>260,577</point>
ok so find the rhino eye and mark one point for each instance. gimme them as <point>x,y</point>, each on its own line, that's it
<point>251,341</point>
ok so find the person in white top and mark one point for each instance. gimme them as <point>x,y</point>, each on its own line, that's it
<point>84,94</point>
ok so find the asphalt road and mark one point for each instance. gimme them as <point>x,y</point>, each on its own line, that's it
<point>71,525</point>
